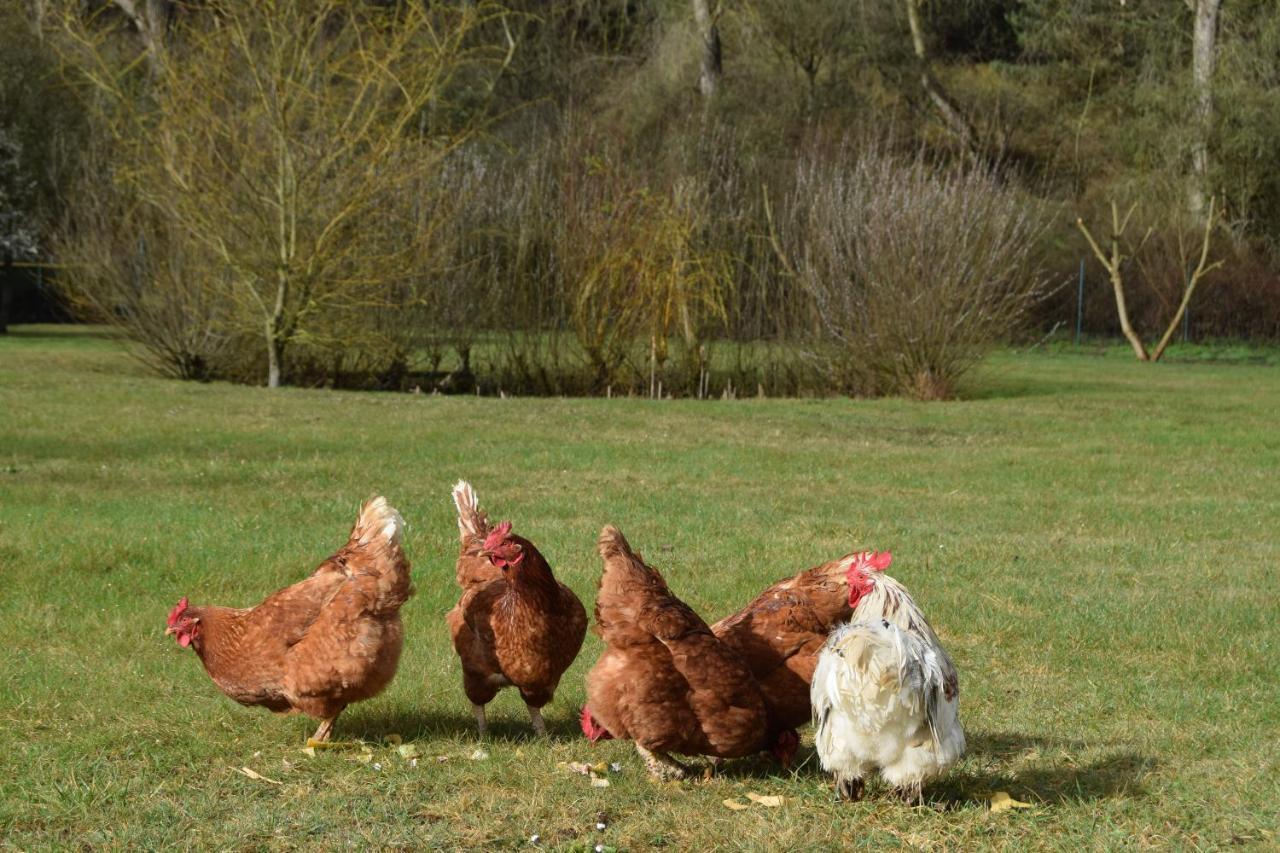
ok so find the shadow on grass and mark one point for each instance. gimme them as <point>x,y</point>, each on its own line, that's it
<point>425,725</point>
<point>763,766</point>
<point>1042,769</point>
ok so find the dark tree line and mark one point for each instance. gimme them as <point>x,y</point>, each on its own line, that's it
<point>614,195</point>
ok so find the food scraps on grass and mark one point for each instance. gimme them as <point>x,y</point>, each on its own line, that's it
<point>253,774</point>
<point>1002,802</point>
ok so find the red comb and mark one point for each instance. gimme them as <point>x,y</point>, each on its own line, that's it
<point>176,613</point>
<point>872,561</point>
<point>497,536</point>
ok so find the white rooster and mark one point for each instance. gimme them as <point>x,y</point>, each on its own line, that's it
<point>885,694</point>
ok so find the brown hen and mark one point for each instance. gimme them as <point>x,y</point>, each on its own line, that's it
<point>665,681</point>
<point>515,624</point>
<point>321,644</point>
<point>781,633</point>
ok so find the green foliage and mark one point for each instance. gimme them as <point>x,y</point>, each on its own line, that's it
<point>42,124</point>
<point>445,238</point>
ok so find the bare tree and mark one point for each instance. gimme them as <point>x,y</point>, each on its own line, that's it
<point>130,266</point>
<point>953,117</point>
<point>915,272</point>
<point>279,140</point>
<point>810,34</point>
<point>1114,260</point>
<point>17,232</point>
<point>150,19</point>
<point>38,9</point>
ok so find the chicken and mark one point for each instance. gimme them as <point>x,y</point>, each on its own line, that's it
<point>321,644</point>
<point>885,694</point>
<point>781,633</point>
<point>665,681</point>
<point>515,624</point>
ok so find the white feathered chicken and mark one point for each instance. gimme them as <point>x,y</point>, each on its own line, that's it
<point>885,695</point>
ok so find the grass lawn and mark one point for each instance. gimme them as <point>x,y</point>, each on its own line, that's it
<point>1095,539</point>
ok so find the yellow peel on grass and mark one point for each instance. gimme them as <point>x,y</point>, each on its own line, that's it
<point>1002,802</point>
<point>769,801</point>
<point>253,774</point>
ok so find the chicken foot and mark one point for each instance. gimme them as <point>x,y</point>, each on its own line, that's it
<point>662,765</point>
<point>912,795</point>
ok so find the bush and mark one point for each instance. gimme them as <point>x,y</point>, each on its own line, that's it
<point>914,271</point>
<point>129,267</point>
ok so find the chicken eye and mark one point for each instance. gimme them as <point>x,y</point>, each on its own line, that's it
<point>884,622</point>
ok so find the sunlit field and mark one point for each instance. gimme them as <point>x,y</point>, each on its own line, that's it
<point>1095,540</point>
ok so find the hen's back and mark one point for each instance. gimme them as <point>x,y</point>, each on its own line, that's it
<point>352,647</point>
<point>686,691</point>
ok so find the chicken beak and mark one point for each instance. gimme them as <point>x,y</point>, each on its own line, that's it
<point>170,631</point>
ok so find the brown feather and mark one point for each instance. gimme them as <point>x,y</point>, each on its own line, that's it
<point>519,627</point>
<point>324,642</point>
<point>665,681</point>
<point>780,635</point>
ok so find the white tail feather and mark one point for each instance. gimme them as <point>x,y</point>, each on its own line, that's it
<point>379,519</point>
<point>472,523</point>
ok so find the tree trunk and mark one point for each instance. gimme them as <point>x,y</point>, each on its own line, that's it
<point>277,332</point>
<point>38,9</point>
<point>151,19</point>
<point>653,364</point>
<point>1203,267</point>
<point>1114,264</point>
<point>1117,284</point>
<point>811,94</point>
<point>275,358</point>
<point>709,32</point>
<point>6,294</point>
<point>952,116</point>
<point>1204,57</point>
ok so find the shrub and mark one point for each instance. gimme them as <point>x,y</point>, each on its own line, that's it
<point>914,271</point>
<point>127,266</point>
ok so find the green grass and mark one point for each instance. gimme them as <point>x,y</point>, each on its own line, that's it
<point>1095,539</point>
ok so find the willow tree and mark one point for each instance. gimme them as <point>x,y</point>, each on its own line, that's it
<point>281,138</point>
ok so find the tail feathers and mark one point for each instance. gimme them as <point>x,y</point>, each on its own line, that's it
<point>472,522</point>
<point>613,544</point>
<point>379,522</point>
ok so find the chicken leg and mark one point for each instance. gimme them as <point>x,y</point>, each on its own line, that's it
<point>535,717</point>
<point>661,765</point>
<point>912,795</point>
<point>849,789</point>
<point>325,730</point>
<point>481,723</point>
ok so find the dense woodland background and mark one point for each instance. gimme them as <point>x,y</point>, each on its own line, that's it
<point>681,197</point>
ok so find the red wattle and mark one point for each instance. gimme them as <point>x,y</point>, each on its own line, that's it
<point>591,726</point>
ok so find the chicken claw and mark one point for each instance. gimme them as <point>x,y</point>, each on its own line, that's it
<point>662,766</point>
